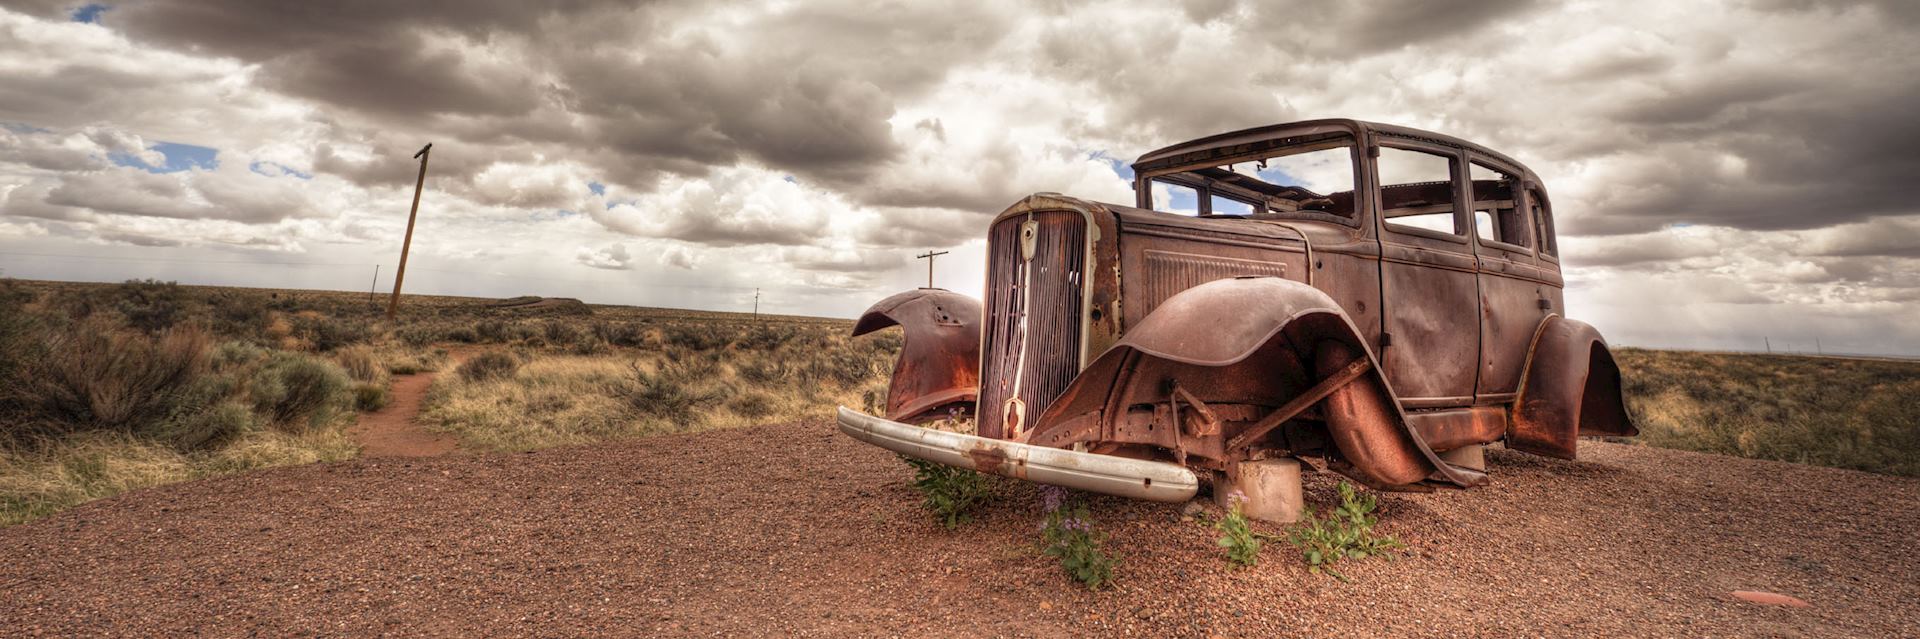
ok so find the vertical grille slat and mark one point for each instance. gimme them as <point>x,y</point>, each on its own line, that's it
<point>1051,342</point>
<point>1170,272</point>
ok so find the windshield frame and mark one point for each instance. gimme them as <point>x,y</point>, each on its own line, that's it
<point>1188,174</point>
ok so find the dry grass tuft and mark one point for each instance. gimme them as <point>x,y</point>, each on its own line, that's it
<point>81,468</point>
<point>698,377</point>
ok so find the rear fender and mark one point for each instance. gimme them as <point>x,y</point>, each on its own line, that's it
<point>1572,388</point>
<point>1249,345</point>
<point>939,365</point>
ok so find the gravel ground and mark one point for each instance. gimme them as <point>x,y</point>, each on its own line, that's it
<point>796,530</point>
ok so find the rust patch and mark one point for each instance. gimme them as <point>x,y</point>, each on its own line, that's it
<point>990,459</point>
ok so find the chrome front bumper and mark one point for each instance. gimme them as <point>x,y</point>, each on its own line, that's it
<point>1106,474</point>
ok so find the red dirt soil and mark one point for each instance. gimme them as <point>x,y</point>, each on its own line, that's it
<point>797,530</point>
<point>393,430</point>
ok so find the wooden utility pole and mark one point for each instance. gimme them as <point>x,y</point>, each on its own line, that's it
<point>393,304</point>
<point>929,258</point>
<point>756,304</point>
<point>373,286</point>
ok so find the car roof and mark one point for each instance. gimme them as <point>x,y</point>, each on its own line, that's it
<point>1166,155</point>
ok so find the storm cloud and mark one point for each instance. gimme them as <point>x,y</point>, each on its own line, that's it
<point>1716,156</point>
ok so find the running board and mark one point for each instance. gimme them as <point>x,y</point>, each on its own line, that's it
<point>1105,474</point>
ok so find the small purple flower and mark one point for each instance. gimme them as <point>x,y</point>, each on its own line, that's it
<point>1051,497</point>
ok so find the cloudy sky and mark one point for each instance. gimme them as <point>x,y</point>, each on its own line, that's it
<point>1722,171</point>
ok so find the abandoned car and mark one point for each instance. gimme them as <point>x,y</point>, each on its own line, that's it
<point>1369,299</point>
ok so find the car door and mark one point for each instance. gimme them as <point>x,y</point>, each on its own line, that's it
<point>1514,289</point>
<point>1428,275</point>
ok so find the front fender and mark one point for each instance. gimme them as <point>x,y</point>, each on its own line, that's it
<point>939,364</point>
<point>1257,341</point>
<point>1571,388</point>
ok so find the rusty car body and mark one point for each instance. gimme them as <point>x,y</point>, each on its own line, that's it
<point>1367,324</point>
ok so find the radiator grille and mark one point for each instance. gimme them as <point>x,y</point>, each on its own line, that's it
<point>1045,292</point>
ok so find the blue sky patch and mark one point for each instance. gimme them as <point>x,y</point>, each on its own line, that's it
<point>597,188</point>
<point>1182,199</point>
<point>1120,168</point>
<point>90,13</point>
<point>180,157</point>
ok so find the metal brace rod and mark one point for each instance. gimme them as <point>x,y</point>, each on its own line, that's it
<point>1208,420</point>
<point>1293,408</point>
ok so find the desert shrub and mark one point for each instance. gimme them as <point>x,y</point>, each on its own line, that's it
<point>678,392</point>
<point>91,375</point>
<point>238,313</point>
<point>1346,533</point>
<point>236,354</point>
<point>1886,420</point>
<point>766,338</point>
<point>19,345</point>
<point>1068,534</point>
<point>488,366</point>
<point>463,335</point>
<point>697,366</point>
<point>206,427</point>
<point>619,333</point>
<point>1236,533</point>
<point>298,393</point>
<point>361,363</point>
<point>326,334</point>
<point>416,361</point>
<point>699,337</point>
<point>884,344</point>
<point>151,305</point>
<point>419,336</point>
<point>764,369</point>
<point>588,345</point>
<point>752,405</point>
<point>522,331</point>
<point>491,331</point>
<point>561,334</point>
<point>14,295</point>
<point>369,397</point>
<point>845,367</point>
<point>947,492</point>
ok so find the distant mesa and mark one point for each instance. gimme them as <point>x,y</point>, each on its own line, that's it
<point>544,305</point>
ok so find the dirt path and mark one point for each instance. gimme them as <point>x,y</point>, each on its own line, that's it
<point>797,530</point>
<point>393,430</point>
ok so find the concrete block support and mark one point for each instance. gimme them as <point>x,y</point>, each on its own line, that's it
<point>1272,487</point>
<point>1474,457</point>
